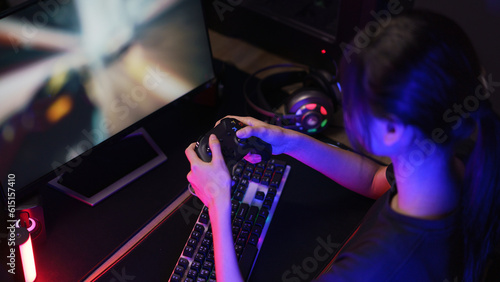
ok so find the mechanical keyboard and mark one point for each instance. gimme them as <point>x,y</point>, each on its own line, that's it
<point>256,190</point>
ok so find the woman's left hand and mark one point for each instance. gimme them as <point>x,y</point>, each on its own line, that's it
<point>211,181</point>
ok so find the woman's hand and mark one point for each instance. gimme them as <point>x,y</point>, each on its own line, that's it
<point>211,181</point>
<point>281,139</point>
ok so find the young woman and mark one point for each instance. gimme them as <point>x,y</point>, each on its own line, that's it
<point>415,94</point>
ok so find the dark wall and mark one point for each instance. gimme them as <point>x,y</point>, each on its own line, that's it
<point>481,21</point>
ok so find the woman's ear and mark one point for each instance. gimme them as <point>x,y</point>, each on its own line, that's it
<point>393,131</point>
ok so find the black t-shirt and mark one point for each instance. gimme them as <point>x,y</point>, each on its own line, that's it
<point>389,246</point>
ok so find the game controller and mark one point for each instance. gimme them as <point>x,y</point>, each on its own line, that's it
<point>233,148</point>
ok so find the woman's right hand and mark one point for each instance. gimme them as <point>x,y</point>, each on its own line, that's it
<point>281,139</point>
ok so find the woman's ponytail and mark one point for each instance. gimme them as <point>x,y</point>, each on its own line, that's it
<point>481,201</point>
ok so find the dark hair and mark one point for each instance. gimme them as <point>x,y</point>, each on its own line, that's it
<point>418,68</point>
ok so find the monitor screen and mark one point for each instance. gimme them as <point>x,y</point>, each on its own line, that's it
<point>76,73</point>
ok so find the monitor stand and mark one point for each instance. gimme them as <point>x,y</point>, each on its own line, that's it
<point>106,169</point>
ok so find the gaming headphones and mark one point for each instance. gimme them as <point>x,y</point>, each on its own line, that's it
<point>308,109</point>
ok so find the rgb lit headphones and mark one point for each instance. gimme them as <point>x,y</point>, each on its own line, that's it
<point>310,105</point>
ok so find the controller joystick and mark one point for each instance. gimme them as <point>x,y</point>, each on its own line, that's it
<point>233,148</point>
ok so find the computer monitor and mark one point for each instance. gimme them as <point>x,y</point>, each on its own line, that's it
<point>78,74</point>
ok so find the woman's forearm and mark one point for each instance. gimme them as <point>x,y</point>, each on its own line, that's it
<point>225,255</point>
<point>349,169</point>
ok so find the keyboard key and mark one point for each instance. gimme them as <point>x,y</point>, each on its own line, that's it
<point>259,195</point>
<point>265,180</point>
<point>203,250</point>
<point>268,173</point>
<point>250,167</point>
<point>235,205</point>
<point>244,234</point>
<point>247,174</point>
<point>192,273</point>
<point>242,188</point>
<point>254,239</point>
<point>275,183</point>
<point>210,256</point>
<point>175,278</point>
<point>179,269</point>
<point>256,178</point>
<point>199,257</point>
<point>246,260</point>
<point>188,251</point>
<point>242,212</point>
<point>272,191</point>
<point>267,204</point>
<point>206,242</point>
<point>237,172</point>
<point>204,218</point>
<point>208,235</point>
<point>183,262</point>
<point>279,169</point>
<point>244,182</point>
<point>195,266</point>
<point>204,273</point>
<point>238,249</point>
<point>277,163</point>
<point>208,265</point>
<point>241,241</point>
<point>196,235</point>
<point>192,242</point>
<point>264,212</point>
<point>236,229</point>
<point>238,196</point>
<point>252,214</point>
<point>259,170</point>
<point>270,196</point>
<point>199,228</point>
<point>260,221</point>
<point>247,226</point>
<point>237,222</point>
<point>257,229</point>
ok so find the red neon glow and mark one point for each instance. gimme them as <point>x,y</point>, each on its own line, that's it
<point>28,260</point>
<point>323,51</point>
<point>323,111</point>
<point>311,106</point>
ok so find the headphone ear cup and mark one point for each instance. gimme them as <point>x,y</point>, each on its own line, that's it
<point>312,108</point>
<point>322,80</point>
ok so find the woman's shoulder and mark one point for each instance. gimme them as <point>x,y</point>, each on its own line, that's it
<point>389,246</point>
